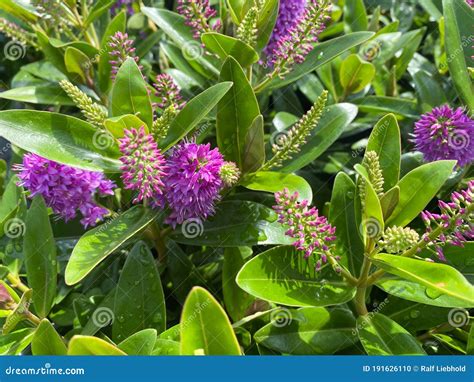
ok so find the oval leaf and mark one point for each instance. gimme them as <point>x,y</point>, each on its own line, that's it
<point>47,341</point>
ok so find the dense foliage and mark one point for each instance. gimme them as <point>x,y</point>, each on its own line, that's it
<point>236,177</point>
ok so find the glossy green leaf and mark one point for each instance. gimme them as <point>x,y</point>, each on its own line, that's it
<point>389,201</point>
<point>236,301</point>
<point>266,22</point>
<point>10,202</point>
<point>225,46</point>
<point>85,345</point>
<point>236,112</point>
<point>205,328</point>
<point>417,188</point>
<point>175,27</point>
<point>140,343</point>
<point>76,62</point>
<point>46,341</point>
<point>21,10</point>
<point>166,347</point>
<point>444,285</point>
<point>41,94</point>
<point>55,54</point>
<point>380,335</point>
<point>355,16</point>
<point>117,125</point>
<point>322,54</point>
<point>58,137</point>
<point>470,342</point>
<point>193,113</point>
<point>272,181</point>
<point>14,343</point>
<point>458,16</point>
<point>117,24</point>
<point>98,9</point>
<point>334,121</point>
<point>236,223</point>
<point>309,331</point>
<point>382,105</point>
<point>100,242</point>
<point>40,256</point>
<point>385,140</point>
<point>139,300</point>
<point>355,74</point>
<point>130,94</point>
<point>254,146</point>
<point>282,275</point>
<point>342,215</point>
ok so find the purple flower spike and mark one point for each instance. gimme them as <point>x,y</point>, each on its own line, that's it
<point>445,133</point>
<point>289,13</point>
<point>198,14</point>
<point>193,182</point>
<point>168,92</point>
<point>121,47</point>
<point>120,4</point>
<point>455,219</point>
<point>314,235</point>
<point>143,165</point>
<point>65,189</point>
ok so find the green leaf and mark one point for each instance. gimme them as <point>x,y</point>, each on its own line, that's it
<point>40,256</point>
<point>166,347</point>
<point>55,54</point>
<point>281,275</point>
<point>355,16</point>
<point>14,343</point>
<point>46,341</point>
<point>389,201</point>
<point>140,343</point>
<point>266,22</point>
<point>380,335</point>
<point>40,94</point>
<point>334,121</point>
<point>205,328</point>
<point>272,181</point>
<point>236,223</point>
<point>342,215</point>
<point>309,331</point>
<point>85,345</point>
<point>58,137</point>
<point>97,10</point>
<point>322,54</point>
<point>193,113</point>
<point>10,202</point>
<point>100,242</point>
<point>355,74</point>
<point>470,342</point>
<point>175,27</point>
<point>139,291</point>
<point>21,10</point>
<point>130,94</point>
<point>383,105</point>
<point>117,125</point>
<point>444,285</point>
<point>254,147</point>
<point>118,24</point>
<point>225,46</point>
<point>236,112</point>
<point>385,140</point>
<point>76,62</point>
<point>458,17</point>
<point>236,301</point>
<point>417,188</point>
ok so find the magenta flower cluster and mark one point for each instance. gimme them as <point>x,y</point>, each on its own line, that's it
<point>64,188</point>
<point>198,15</point>
<point>445,133</point>
<point>289,14</point>
<point>121,47</point>
<point>294,45</point>
<point>455,219</point>
<point>168,92</point>
<point>193,183</point>
<point>314,235</point>
<point>143,164</point>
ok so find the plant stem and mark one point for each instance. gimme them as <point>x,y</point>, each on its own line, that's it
<point>16,282</point>
<point>359,299</point>
<point>346,274</point>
